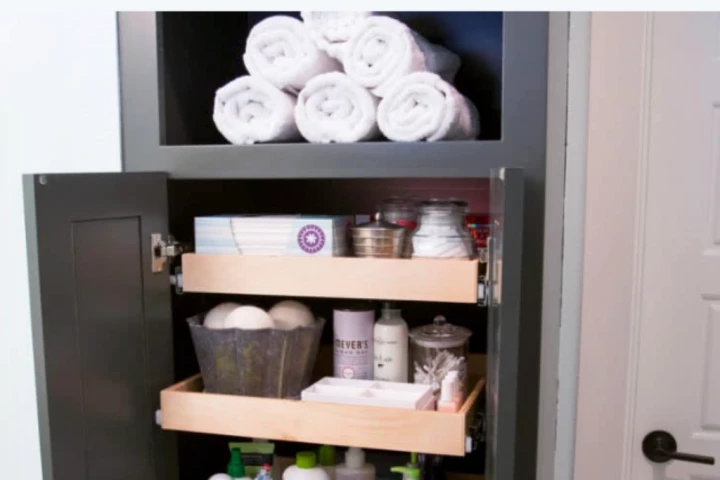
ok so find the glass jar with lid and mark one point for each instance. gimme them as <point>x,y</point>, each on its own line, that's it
<point>401,211</point>
<point>437,349</point>
<point>442,232</point>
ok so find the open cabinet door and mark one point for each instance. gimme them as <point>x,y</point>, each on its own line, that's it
<point>101,324</point>
<point>504,269</point>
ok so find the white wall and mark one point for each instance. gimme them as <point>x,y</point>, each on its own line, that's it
<point>59,112</point>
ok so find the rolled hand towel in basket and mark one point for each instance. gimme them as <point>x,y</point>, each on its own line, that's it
<point>332,30</point>
<point>249,110</point>
<point>384,50</point>
<point>281,50</point>
<point>423,106</point>
<point>333,108</point>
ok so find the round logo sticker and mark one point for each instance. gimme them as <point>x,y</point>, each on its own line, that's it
<point>311,239</point>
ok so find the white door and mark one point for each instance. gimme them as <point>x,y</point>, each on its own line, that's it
<point>678,362</point>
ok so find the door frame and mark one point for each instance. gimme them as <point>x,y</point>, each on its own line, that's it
<point>614,217</point>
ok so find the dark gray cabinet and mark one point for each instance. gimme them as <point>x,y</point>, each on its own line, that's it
<point>101,324</point>
<point>109,333</point>
<point>107,339</point>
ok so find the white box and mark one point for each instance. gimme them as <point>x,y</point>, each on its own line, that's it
<point>274,235</point>
<point>412,396</point>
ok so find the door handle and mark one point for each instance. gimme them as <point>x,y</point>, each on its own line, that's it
<point>660,446</point>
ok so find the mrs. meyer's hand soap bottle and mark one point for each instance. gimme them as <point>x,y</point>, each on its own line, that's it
<point>353,341</point>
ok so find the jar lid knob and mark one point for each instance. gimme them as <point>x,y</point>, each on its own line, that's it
<point>439,321</point>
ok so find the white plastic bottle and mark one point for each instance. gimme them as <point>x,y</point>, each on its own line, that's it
<point>390,346</point>
<point>354,467</point>
<point>305,468</point>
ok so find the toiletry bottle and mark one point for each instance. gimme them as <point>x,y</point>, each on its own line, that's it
<point>355,467</point>
<point>264,473</point>
<point>235,468</point>
<point>326,457</point>
<point>459,395</point>
<point>409,473</point>
<point>353,341</point>
<point>390,346</point>
<point>305,468</point>
<point>448,395</point>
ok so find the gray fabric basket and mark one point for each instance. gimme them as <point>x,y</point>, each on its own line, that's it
<point>256,363</point>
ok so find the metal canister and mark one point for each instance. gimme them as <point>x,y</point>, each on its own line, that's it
<point>353,341</point>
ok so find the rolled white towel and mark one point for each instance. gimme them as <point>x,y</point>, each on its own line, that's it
<point>333,108</point>
<point>281,50</point>
<point>250,109</point>
<point>384,50</point>
<point>332,30</point>
<point>423,106</point>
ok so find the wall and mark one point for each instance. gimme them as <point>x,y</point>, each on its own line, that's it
<point>59,112</point>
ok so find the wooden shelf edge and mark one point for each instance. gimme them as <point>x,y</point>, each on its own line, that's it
<point>185,408</point>
<point>430,280</point>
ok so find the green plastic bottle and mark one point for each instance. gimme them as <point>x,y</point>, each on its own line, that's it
<point>326,458</point>
<point>409,473</point>
<point>235,468</point>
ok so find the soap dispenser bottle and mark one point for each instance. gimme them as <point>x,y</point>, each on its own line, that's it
<point>390,346</point>
<point>409,473</point>
<point>355,467</point>
<point>235,468</point>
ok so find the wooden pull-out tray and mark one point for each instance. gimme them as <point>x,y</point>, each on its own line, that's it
<point>424,280</point>
<point>186,408</point>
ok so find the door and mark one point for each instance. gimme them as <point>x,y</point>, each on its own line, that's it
<point>677,388</point>
<point>101,324</point>
<point>504,271</point>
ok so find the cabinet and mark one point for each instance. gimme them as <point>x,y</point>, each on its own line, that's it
<point>110,334</point>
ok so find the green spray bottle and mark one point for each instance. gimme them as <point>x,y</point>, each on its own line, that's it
<point>409,473</point>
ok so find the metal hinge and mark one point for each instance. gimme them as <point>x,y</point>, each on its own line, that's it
<point>176,280</point>
<point>161,250</point>
<point>482,293</point>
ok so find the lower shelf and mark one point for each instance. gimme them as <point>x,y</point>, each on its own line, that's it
<point>186,408</point>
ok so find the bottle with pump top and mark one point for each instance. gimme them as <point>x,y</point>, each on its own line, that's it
<point>409,473</point>
<point>390,346</point>
<point>355,467</point>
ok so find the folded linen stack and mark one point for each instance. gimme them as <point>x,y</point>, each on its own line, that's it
<point>382,58</point>
<point>294,235</point>
<point>423,106</point>
<point>333,108</point>
<point>281,57</point>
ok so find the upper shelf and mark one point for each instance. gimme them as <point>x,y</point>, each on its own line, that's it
<point>169,76</point>
<point>424,280</point>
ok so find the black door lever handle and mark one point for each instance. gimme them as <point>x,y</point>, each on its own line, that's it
<point>660,447</point>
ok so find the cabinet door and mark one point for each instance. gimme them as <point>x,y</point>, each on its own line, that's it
<point>504,270</point>
<point>101,324</point>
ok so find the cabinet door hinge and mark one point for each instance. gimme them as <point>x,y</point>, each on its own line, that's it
<point>162,249</point>
<point>482,295</point>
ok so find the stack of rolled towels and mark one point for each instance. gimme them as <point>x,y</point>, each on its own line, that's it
<point>343,77</point>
